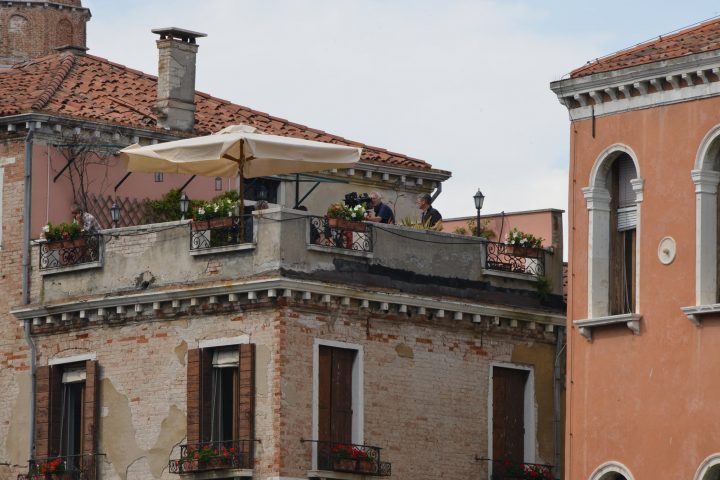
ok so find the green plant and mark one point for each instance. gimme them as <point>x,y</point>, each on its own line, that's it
<point>344,452</point>
<point>217,207</point>
<point>343,211</point>
<point>543,285</point>
<point>49,467</point>
<point>418,225</point>
<point>208,451</point>
<point>485,232</point>
<point>521,239</point>
<point>61,231</point>
<point>461,231</point>
<point>167,207</point>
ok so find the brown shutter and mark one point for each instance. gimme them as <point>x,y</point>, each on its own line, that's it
<point>341,406</point>
<point>90,407</point>
<point>56,404</point>
<point>206,355</point>
<point>246,392</point>
<point>324,394</point>
<point>508,415</point>
<point>193,396</point>
<point>42,411</point>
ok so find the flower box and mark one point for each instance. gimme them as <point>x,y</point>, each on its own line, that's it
<point>344,465</point>
<point>366,466</point>
<point>351,225</point>
<point>219,222</point>
<point>519,251</point>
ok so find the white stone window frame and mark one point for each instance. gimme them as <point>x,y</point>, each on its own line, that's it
<point>529,412</point>
<point>706,180</point>
<point>601,472</point>
<point>597,198</point>
<point>711,465</point>
<point>358,397</point>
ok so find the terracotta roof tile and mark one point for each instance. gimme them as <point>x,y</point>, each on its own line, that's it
<point>93,88</point>
<point>704,37</point>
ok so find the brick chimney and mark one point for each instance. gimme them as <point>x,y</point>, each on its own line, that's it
<point>175,105</point>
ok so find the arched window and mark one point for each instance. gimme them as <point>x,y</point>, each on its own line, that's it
<point>709,469</point>
<point>613,201</point>
<point>18,35</point>
<point>64,33</point>
<point>611,471</point>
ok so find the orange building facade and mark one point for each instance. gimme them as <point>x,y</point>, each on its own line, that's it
<point>643,311</point>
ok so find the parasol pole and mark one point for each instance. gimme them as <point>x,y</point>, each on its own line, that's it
<point>241,192</point>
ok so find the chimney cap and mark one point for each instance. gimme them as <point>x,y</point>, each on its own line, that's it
<point>187,36</point>
<point>76,49</point>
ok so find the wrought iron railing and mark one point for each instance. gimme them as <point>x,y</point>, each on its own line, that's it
<point>221,232</point>
<point>68,253</point>
<point>339,233</point>
<point>201,457</point>
<point>511,258</point>
<point>510,470</point>
<point>67,467</point>
<point>351,458</point>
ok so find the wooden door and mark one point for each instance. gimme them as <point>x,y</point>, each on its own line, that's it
<point>508,415</point>
<point>335,398</point>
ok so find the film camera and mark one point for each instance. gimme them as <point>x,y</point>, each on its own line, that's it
<point>352,199</point>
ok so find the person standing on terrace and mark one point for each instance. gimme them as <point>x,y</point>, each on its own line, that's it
<point>430,216</point>
<point>382,212</point>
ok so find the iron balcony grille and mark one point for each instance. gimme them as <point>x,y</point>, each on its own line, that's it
<point>206,456</point>
<point>68,253</point>
<point>351,458</point>
<point>510,470</point>
<point>221,232</point>
<point>339,233</point>
<point>511,258</point>
<point>68,467</point>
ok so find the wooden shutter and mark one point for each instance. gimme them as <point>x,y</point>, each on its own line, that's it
<point>56,404</point>
<point>206,355</point>
<point>42,411</point>
<point>324,394</point>
<point>246,392</point>
<point>90,407</point>
<point>341,406</point>
<point>193,396</point>
<point>508,414</point>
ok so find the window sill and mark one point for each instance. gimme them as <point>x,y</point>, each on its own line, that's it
<point>230,248</point>
<point>631,320</point>
<point>696,312</point>
<point>229,474</point>
<point>527,277</point>
<point>340,251</point>
<point>71,268</point>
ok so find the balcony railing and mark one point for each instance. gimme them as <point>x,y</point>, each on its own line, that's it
<point>511,258</point>
<point>510,470</point>
<point>68,253</point>
<point>339,233</point>
<point>220,232</point>
<point>206,456</point>
<point>69,467</point>
<point>350,458</point>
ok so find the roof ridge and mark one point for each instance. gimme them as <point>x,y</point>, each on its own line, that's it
<point>647,43</point>
<point>65,66</point>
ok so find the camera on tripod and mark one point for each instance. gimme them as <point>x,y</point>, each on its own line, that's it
<point>353,199</point>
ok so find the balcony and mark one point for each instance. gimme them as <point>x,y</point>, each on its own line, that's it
<point>350,458</point>
<point>342,234</point>
<point>220,234</point>
<point>79,253</point>
<point>70,467</point>
<point>234,458</point>
<point>514,259</point>
<point>510,470</point>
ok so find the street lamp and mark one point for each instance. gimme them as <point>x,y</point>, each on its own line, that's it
<point>184,204</point>
<point>115,214</point>
<point>479,199</point>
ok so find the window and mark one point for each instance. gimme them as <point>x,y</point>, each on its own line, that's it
<point>159,177</point>
<point>67,414</point>
<point>221,397</point>
<point>611,471</point>
<point>512,416</point>
<point>623,224</point>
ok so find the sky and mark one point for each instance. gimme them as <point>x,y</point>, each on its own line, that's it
<point>461,84</point>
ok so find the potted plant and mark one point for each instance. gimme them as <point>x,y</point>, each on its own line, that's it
<point>63,235</point>
<point>208,457</point>
<point>349,458</point>
<point>216,213</point>
<point>54,469</point>
<point>523,244</point>
<point>509,470</point>
<point>342,216</point>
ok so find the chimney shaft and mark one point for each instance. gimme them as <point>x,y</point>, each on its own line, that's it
<point>175,105</point>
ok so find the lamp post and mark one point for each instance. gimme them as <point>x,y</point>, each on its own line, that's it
<point>115,214</point>
<point>184,204</point>
<point>479,199</point>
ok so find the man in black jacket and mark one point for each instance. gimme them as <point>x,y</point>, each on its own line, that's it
<point>430,216</point>
<point>382,212</point>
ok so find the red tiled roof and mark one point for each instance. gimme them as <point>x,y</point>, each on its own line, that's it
<point>704,37</point>
<point>93,88</point>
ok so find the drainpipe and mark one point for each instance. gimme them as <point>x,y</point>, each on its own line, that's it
<point>557,387</point>
<point>26,278</point>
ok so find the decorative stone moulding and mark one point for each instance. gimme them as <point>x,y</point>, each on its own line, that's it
<point>631,320</point>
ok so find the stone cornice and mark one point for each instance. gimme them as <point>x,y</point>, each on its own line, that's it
<point>597,198</point>
<point>659,83</point>
<point>149,303</point>
<point>706,181</point>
